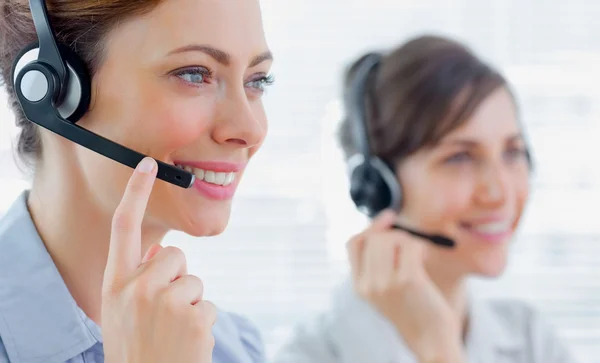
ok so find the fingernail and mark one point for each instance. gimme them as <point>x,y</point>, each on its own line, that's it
<point>146,165</point>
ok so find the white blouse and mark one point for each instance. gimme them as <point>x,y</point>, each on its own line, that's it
<point>351,331</point>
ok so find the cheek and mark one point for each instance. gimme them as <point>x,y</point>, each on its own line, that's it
<point>438,205</point>
<point>149,119</point>
<point>173,125</point>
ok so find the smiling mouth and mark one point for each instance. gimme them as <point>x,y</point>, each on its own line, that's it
<point>210,176</point>
<point>489,231</point>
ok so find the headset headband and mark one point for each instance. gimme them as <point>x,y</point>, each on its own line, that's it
<point>49,52</point>
<point>357,102</point>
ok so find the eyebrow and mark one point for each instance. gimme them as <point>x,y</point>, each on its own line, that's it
<point>472,143</point>
<point>220,56</point>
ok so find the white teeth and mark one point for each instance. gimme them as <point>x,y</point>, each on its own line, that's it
<point>220,178</point>
<point>229,178</point>
<point>492,228</point>
<point>199,173</point>
<point>209,176</point>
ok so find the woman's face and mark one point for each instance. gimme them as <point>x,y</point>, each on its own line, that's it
<point>183,84</point>
<point>472,187</point>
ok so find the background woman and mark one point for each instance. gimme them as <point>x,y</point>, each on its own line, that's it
<point>447,127</point>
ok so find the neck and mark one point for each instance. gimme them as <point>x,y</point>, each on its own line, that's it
<point>75,229</point>
<point>453,286</point>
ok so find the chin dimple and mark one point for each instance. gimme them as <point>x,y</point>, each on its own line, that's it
<point>209,176</point>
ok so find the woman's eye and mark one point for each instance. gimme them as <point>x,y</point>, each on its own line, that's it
<point>261,83</point>
<point>516,153</point>
<point>459,158</point>
<point>194,75</point>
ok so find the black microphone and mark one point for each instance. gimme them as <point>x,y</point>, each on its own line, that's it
<point>435,239</point>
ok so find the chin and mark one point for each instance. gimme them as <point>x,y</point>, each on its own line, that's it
<point>490,266</point>
<point>205,231</point>
<point>485,257</point>
<point>206,222</point>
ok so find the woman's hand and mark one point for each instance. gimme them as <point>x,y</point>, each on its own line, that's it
<point>388,271</point>
<point>152,310</point>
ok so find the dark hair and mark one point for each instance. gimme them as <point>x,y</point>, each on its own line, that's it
<point>79,24</point>
<point>420,92</point>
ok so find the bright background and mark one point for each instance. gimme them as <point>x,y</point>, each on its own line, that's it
<point>284,249</point>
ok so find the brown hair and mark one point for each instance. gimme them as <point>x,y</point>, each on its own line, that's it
<point>79,24</point>
<point>420,91</point>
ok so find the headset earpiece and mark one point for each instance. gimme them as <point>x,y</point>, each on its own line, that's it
<point>373,184</point>
<point>75,99</point>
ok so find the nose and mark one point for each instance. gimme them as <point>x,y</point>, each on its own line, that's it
<point>494,186</point>
<point>240,124</point>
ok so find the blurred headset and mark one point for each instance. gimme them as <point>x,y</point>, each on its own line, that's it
<point>373,184</point>
<point>53,87</point>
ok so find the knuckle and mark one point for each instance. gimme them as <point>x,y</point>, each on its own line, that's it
<point>374,290</point>
<point>121,221</point>
<point>196,283</point>
<point>112,289</point>
<point>211,311</point>
<point>207,314</point>
<point>176,254</point>
<point>404,281</point>
<point>380,288</point>
<point>109,293</point>
<point>170,303</point>
<point>199,324</point>
<point>142,292</point>
<point>136,186</point>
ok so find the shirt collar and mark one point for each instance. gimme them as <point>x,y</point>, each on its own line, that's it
<point>39,319</point>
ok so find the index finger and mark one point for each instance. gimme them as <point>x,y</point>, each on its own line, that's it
<point>382,221</point>
<point>124,255</point>
<point>411,254</point>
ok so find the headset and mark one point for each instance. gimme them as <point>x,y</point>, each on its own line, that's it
<point>373,183</point>
<point>53,87</point>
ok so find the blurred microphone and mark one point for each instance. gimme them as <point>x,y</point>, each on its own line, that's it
<point>435,239</point>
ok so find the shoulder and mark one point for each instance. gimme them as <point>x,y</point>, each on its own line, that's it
<point>519,318</point>
<point>514,315</point>
<point>236,334</point>
<point>16,223</point>
<point>330,336</point>
<point>518,326</point>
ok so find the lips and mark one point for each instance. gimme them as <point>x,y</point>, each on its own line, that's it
<point>215,180</point>
<point>489,231</point>
<point>490,227</point>
<point>210,176</point>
